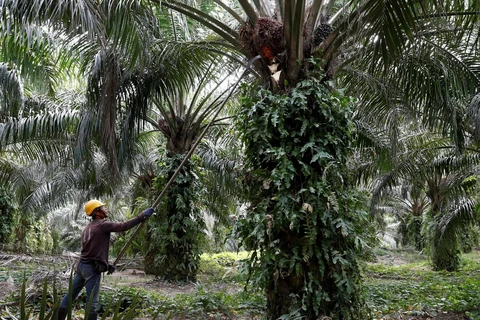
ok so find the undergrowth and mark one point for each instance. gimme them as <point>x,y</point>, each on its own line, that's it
<point>415,289</point>
<point>389,289</point>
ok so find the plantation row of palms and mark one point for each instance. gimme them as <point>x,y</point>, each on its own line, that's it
<point>347,111</point>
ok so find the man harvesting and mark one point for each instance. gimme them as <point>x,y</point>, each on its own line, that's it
<point>94,254</point>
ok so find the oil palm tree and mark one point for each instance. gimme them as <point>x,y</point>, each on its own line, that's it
<point>431,166</point>
<point>210,191</point>
<point>451,189</point>
<point>176,234</point>
<point>407,204</point>
<point>39,120</point>
<point>352,41</point>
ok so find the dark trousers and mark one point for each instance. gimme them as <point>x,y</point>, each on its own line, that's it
<point>87,277</point>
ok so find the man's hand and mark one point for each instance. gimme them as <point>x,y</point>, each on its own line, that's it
<point>148,212</point>
<point>111,269</point>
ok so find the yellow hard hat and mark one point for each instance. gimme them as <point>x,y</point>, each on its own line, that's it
<point>91,205</point>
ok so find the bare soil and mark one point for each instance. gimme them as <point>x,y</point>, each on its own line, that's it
<point>137,278</point>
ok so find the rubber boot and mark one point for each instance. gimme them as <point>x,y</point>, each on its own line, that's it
<point>92,316</point>
<point>62,314</point>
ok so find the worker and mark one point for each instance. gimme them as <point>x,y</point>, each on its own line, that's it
<point>94,255</point>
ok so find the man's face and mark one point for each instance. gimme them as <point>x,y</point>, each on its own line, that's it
<point>104,211</point>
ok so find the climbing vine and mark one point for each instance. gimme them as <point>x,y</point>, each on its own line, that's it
<point>176,232</point>
<point>305,221</point>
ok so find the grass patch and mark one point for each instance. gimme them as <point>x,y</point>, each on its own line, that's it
<point>414,287</point>
<point>222,267</point>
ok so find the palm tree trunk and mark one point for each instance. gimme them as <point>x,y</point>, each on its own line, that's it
<point>445,253</point>
<point>175,233</point>
<point>303,216</point>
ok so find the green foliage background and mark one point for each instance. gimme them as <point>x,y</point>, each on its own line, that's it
<point>7,215</point>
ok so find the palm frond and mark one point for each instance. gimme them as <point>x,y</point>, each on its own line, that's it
<point>474,114</point>
<point>225,31</point>
<point>11,94</point>
<point>466,163</point>
<point>145,154</point>
<point>41,59</point>
<point>8,168</point>
<point>129,25</point>
<point>430,83</point>
<point>45,127</point>
<point>77,16</point>
<point>384,25</point>
<point>461,214</point>
<point>220,159</point>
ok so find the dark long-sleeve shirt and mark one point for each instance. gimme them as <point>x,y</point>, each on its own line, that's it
<point>96,238</point>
